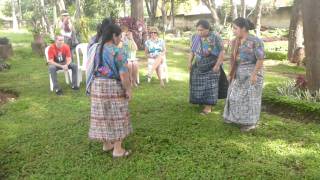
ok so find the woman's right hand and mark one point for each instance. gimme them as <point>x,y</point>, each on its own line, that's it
<point>129,94</point>
<point>190,67</point>
<point>230,78</point>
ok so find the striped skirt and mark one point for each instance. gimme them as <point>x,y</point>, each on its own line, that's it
<point>243,104</point>
<point>204,83</point>
<point>109,119</point>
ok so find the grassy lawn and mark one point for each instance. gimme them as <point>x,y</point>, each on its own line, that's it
<point>43,136</point>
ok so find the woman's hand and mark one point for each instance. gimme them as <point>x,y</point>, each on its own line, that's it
<point>230,78</point>
<point>216,68</point>
<point>253,78</point>
<point>189,67</point>
<point>129,94</point>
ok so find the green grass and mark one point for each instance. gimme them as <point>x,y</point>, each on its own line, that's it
<point>43,136</point>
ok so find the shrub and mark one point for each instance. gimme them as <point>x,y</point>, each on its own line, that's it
<point>297,90</point>
<point>138,29</point>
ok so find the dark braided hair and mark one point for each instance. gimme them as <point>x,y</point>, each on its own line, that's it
<point>107,33</point>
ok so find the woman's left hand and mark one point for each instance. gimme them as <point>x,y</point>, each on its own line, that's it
<point>216,68</point>
<point>253,78</point>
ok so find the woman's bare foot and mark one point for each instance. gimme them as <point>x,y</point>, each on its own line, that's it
<point>162,83</point>
<point>107,146</point>
<point>206,110</point>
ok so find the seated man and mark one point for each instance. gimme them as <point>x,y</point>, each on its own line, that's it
<point>60,59</point>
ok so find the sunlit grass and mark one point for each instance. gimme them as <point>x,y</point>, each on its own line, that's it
<point>43,136</point>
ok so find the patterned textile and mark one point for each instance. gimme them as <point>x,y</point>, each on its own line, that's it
<point>212,45</point>
<point>109,111</point>
<point>204,82</point>
<point>251,50</point>
<point>243,104</point>
<point>155,48</point>
<point>114,62</point>
<point>91,66</point>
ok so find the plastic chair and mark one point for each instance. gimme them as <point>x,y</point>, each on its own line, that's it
<point>67,74</point>
<point>83,48</point>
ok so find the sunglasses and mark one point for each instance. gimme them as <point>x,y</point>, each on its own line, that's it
<point>153,33</point>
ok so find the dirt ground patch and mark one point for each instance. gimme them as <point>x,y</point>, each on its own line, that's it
<point>7,96</point>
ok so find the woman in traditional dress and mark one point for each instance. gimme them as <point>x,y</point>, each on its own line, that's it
<point>243,104</point>
<point>110,94</point>
<point>155,51</point>
<point>207,53</point>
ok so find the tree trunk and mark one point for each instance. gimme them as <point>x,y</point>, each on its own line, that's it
<point>258,10</point>
<point>243,8</point>
<point>55,15</point>
<point>45,19</point>
<point>212,7</point>
<point>152,6</point>
<point>78,10</point>
<point>61,5</point>
<point>15,25</point>
<point>295,29</point>
<point>164,15</point>
<point>20,14</point>
<point>234,12</point>
<point>172,15</point>
<point>311,32</point>
<point>124,8</point>
<point>137,9</point>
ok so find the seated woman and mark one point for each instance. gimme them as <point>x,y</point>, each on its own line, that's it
<point>131,49</point>
<point>155,51</point>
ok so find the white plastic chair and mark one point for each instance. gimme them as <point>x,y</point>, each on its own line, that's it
<point>67,76</point>
<point>163,68</point>
<point>83,48</point>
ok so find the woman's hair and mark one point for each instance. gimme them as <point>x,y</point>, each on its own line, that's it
<point>244,23</point>
<point>124,28</point>
<point>204,24</point>
<point>154,29</point>
<point>102,27</point>
<point>107,35</point>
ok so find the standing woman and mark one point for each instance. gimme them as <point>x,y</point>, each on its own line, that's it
<point>243,104</point>
<point>110,93</point>
<point>68,31</point>
<point>207,53</point>
<point>155,51</point>
<point>131,49</point>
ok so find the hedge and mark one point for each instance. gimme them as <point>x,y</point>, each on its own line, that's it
<point>272,98</point>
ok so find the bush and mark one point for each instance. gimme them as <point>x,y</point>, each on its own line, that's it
<point>286,101</point>
<point>276,55</point>
<point>138,29</point>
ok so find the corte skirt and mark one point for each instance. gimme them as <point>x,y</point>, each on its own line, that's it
<point>204,83</point>
<point>243,104</point>
<point>109,120</point>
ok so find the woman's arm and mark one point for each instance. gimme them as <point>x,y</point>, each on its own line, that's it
<point>135,47</point>
<point>191,57</point>
<point>216,68</point>
<point>125,81</point>
<point>146,52</point>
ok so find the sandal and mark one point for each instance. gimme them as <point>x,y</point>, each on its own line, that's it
<point>125,154</point>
